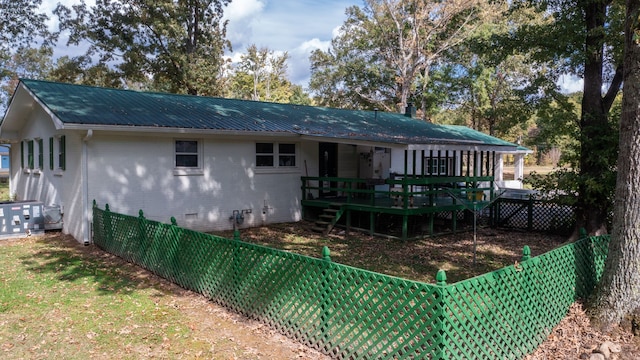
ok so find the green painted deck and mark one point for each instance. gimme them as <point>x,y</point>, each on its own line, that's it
<point>415,200</point>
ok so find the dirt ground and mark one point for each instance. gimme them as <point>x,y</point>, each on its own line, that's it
<point>573,338</point>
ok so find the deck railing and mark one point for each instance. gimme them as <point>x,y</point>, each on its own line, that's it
<point>350,313</point>
<point>406,189</point>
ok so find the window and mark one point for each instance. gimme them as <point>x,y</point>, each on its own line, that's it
<point>286,155</point>
<point>187,154</point>
<point>40,153</point>
<point>51,153</point>
<point>438,166</point>
<point>62,163</point>
<point>267,153</point>
<point>30,154</point>
<point>264,154</point>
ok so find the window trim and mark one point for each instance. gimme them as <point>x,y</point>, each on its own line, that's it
<point>30,154</point>
<point>443,166</point>
<point>188,170</point>
<point>277,168</point>
<point>40,145</point>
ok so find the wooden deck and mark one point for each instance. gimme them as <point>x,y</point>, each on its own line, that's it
<point>415,202</point>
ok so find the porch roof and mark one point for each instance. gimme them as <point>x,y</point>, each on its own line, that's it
<point>85,107</point>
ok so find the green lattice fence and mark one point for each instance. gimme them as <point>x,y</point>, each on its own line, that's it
<point>351,313</point>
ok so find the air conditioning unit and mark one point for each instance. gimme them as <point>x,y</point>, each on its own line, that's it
<point>52,217</point>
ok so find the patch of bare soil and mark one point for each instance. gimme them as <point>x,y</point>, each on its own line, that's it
<point>575,338</point>
<point>228,333</point>
<point>417,260</point>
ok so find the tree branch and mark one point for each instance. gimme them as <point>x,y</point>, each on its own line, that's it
<point>614,88</point>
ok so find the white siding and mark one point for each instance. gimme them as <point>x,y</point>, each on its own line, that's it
<point>132,173</point>
<point>46,185</point>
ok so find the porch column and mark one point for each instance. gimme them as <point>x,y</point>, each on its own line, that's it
<point>518,171</point>
<point>499,166</point>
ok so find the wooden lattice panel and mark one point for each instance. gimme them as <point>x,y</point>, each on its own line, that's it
<point>351,313</point>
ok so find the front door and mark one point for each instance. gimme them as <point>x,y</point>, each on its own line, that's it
<point>328,167</point>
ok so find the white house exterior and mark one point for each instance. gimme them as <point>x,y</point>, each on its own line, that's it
<point>162,154</point>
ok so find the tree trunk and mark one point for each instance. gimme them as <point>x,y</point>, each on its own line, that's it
<point>618,295</point>
<point>594,199</point>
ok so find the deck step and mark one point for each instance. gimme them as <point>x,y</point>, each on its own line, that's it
<point>319,229</point>
<point>327,218</point>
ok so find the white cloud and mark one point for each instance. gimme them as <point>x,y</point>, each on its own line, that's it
<point>570,84</point>
<point>48,6</point>
<point>242,15</point>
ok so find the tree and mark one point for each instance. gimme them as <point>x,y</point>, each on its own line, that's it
<point>581,37</point>
<point>80,70</point>
<point>179,44</point>
<point>618,297</point>
<point>262,75</point>
<point>21,27</point>
<point>385,50</point>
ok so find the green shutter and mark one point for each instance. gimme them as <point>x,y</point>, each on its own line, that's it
<point>51,153</point>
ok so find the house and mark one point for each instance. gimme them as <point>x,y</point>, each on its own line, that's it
<point>212,163</point>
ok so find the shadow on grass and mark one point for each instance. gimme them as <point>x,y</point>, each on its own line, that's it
<point>66,260</point>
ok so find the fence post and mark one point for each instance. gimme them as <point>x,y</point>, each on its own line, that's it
<point>441,317</point>
<point>583,233</point>
<point>526,253</point>
<point>108,231</point>
<point>441,278</point>
<point>325,295</point>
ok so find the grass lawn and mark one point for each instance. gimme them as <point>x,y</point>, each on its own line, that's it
<point>61,300</point>
<point>4,191</point>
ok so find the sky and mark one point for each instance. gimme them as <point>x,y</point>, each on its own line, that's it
<point>295,26</point>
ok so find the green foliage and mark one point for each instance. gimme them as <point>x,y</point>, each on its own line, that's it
<point>22,26</point>
<point>261,75</point>
<point>385,52</point>
<point>560,185</point>
<point>173,46</point>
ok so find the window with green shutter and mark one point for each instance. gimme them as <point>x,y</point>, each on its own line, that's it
<point>61,152</point>
<point>30,154</point>
<point>51,153</point>
<point>40,153</point>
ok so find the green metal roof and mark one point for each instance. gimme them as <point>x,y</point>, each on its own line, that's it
<point>85,105</point>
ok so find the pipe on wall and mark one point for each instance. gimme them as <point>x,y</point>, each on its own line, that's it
<point>85,189</point>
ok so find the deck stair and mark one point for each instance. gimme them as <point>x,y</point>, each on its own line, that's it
<point>328,219</point>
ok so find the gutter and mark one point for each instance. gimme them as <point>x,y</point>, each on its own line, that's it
<point>87,216</point>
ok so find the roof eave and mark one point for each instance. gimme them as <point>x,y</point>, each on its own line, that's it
<point>172,130</point>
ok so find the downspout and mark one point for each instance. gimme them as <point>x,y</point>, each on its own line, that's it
<point>86,226</point>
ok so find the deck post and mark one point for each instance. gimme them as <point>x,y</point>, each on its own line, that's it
<point>372,225</point>
<point>405,227</point>
<point>431,216</point>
